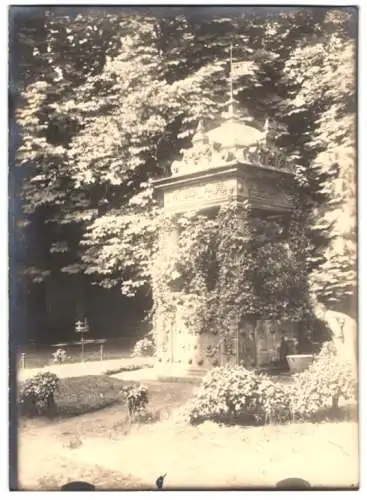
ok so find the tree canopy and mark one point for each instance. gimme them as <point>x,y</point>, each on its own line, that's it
<point>110,98</point>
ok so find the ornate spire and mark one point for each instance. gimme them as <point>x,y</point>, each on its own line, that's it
<point>234,140</point>
<point>238,68</point>
<point>266,126</point>
<point>229,113</point>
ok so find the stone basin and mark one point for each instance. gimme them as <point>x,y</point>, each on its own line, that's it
<point>299,362</point>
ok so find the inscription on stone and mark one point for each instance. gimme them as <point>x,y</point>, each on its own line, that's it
<point>199,194</point>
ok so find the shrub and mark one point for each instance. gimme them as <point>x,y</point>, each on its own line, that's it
<point>275,401</point>
<point>322,385</point>
<point>36,395</point>
<point>235,394</point>
<point>59,356</point>
<point>144,347</point>
<point>137,400</point>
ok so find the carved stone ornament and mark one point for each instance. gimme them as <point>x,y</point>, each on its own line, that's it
<point>228,347</point>
<point>211,350</point>
<point>189,194</point>
<point>205,155</point>
<point>267,156</point>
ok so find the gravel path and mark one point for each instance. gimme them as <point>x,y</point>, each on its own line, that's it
<point>326,455</point>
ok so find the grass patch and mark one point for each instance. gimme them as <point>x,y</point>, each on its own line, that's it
<point>130,368</point>
<point>79,395</point>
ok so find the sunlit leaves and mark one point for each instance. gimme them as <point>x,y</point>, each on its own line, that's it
<point>119,98</point>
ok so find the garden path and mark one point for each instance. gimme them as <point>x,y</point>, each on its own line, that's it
<point>204,456</point>
<point>95,368</point>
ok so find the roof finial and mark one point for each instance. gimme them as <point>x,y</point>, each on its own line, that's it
<point>231,99</point>
<point>266,127</point>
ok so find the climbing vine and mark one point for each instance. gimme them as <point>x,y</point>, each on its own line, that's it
<point>223,269</point>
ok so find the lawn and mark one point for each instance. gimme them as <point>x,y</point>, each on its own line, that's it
<point>104,448</point>
<point>80,395</point>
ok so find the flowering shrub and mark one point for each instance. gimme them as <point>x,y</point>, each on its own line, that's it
<point>137,399</point>
<point>275,400</point>
<point>36,395</point>
<point>144,347</point>
<point>235,394</point>
<point>59,356</point>
<point>322,385</point>
<point>328,350</point>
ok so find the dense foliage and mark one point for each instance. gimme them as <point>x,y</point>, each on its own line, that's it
<point>144,346</point>
<point>328,379</point>
<point>137,400</point>
<point>36,395</point>
<point>111,98</point>
<point>237,395</point>
<point>60,356</point>
<point>228,269</point>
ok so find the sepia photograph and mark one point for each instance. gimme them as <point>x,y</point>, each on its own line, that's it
<point>183,247</point>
